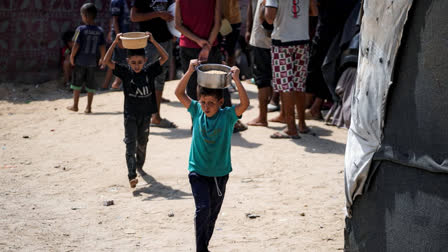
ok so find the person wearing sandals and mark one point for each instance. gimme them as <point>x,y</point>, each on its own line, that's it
<point>210,162</point>
<point>199,22</point>
<point>120,23</point>
<point>289,53</point>
<point>88,41</point>
<point>139,101</point>
<point>152,16</point>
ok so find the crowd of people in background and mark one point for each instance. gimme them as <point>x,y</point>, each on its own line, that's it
<point>297,49</point>
<point>280,46</point>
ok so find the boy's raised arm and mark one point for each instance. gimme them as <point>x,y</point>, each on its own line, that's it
<point>244,99</point>
<point>160,49</point>
<point>108,56</point>
<point>180,89</point>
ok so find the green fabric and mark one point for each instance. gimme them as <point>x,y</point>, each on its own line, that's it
<point>75,87</point>
<point>211,141</point>
<point>89,90</point>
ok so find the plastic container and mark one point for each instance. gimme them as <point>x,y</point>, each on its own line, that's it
<point>134,40</point>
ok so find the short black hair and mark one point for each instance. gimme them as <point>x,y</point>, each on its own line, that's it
<point>89,10</point>
<point>136,52</point>
<point>67,36</point>
<point>218,93</point>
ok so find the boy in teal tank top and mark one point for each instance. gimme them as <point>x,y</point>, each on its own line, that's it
<point>210,163</point>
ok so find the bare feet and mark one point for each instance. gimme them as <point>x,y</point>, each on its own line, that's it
<point>278,119</point>
<point>88,111</point>
<point>258,122</point>
<point>304,129</point>
<point>73,108</point>
<point>312,115</point>
<point>115,86</point>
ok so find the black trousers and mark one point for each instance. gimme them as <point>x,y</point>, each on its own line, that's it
<point>208,193</point>
<point>136,131</point>
<point>187,54</point>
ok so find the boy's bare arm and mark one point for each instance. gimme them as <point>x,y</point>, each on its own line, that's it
<point>216,24</point>
<point>244,99</point>
<point>136,16</point>
<point>108,56</point>
<point>160,49</point>
<point>203,54</point>
<point>102,53</point>
<point>185,31</point>
<point>180,89</point>
<point>74,52</point>
<point>269,14</point>
<point>116,24</point>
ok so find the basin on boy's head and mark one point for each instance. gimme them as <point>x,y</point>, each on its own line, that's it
<point>214,76</point>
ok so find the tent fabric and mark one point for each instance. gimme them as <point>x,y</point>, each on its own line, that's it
<point>381,31</point>
<point>340,112</point>
<point>403,209</point>
<point>415,129</point>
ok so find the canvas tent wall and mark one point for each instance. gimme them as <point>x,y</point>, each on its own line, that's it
<point>30,36</point>
<point>397,150</point>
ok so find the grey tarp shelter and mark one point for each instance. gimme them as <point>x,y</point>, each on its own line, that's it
<point>396,164</point>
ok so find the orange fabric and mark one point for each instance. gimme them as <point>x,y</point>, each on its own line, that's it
<point>231,11</point>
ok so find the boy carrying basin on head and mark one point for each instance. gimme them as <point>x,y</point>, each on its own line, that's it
<point>139,101</point>
<point>210,162</point>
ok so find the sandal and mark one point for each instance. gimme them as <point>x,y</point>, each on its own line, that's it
<point>283,135</point>
<point>164,123</point>
<point>239,126</point>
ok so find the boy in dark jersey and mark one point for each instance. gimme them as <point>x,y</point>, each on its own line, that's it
<point>139,101</point>
<point>88,40</point>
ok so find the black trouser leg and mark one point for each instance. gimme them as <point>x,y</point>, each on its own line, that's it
<point>130,139</point>
<point>136,130</point>
<point>208,204</point>
<point>142,140</point>
<point>216,202</point>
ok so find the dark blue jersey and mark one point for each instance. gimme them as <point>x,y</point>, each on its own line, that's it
<point>89,38</point>
<point>120,9</point>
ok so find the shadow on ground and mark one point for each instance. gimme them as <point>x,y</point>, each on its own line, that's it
<point>155,189</point>
<point>238,140</point>
<point>173,133</point>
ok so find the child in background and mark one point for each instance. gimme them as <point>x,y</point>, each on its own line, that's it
<point>65,58</point>
<point>120,23</point>
<point>139,101</point>
<point>88,40</point>
<point>209,162</point>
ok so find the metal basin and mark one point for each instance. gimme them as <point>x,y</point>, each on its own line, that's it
<point>213,80</point>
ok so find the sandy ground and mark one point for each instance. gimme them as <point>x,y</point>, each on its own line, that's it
<point>58,167</point>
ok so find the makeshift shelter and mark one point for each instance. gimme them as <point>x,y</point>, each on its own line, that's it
<point>396,161</point>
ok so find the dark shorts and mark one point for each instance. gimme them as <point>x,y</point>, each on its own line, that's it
<point>261,66</point>
<point>83,75</point>
<point>229,41</point>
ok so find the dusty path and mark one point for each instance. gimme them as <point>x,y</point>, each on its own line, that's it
<point>54,182</point>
